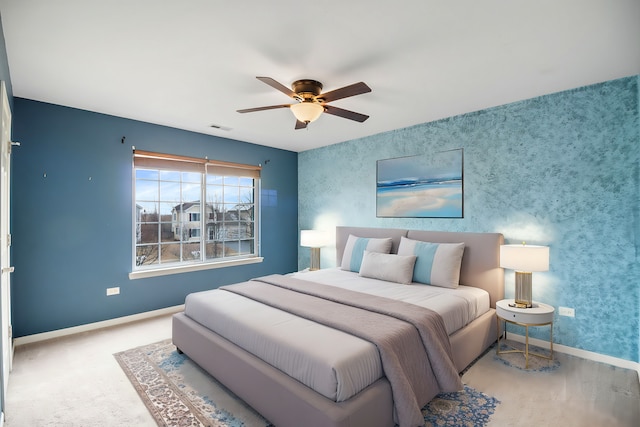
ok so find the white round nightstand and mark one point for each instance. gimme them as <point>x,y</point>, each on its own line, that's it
<point>538,315</point>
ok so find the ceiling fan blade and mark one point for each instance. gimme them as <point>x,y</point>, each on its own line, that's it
<point>279,86</point>
<point>351,115</point>
<point>300,125</point>
<point>270,107</point>
<point>351,90</point>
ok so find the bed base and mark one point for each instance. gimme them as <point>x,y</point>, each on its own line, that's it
<point>285,401</point>
<point>468,343</point>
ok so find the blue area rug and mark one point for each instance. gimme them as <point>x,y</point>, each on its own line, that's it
<point>469,408</point>
<point>177,392</point>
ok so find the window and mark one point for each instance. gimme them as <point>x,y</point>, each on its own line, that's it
<point>178,197</point>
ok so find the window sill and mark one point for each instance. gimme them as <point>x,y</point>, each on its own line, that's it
<point>164,271</point>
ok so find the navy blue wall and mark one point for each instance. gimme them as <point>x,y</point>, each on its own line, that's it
<point>72,216</point>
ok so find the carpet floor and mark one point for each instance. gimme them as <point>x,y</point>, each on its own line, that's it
<point>76,381</point>
<point>568,391</point>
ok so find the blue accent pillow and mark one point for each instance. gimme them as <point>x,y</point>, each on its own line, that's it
<point>437,264</point>
<point>425,253</point>
<point>355,247</point>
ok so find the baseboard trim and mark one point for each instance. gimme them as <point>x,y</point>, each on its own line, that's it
<point>584,354</point>
<point>28,339</point>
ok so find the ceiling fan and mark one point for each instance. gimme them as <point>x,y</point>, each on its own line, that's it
<point>311,102</point>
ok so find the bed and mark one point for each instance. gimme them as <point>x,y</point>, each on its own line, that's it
<point>294,390</point>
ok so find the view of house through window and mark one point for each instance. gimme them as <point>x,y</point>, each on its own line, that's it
<point>193,210</point>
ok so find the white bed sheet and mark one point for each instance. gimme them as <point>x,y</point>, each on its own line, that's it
<point>458,307</point>
<point>333,363</point>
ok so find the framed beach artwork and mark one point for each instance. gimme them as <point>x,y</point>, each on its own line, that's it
<point>423,186</point>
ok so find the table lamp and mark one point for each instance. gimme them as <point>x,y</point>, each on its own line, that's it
<point>313,239</point>
<point>524,259</point>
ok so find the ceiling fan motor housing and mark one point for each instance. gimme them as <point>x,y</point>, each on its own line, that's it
<point>307,89</point>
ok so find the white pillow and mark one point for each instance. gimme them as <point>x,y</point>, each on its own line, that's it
<point>355,247</point>
<point>437,264</point>
<point>389,267</point>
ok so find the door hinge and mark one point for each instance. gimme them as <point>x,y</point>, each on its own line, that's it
<point>12,144</point>
<point>8,239</point>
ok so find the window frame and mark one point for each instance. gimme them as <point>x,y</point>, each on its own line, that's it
<point>168,162</point>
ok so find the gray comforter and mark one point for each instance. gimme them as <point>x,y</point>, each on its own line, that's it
<point>412,341</point>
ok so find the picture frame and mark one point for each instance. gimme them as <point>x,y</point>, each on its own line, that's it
<point>421,186</point>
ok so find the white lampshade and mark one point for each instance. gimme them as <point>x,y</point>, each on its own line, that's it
<point>313,238</point>
<point>307,111</point>
<point>525,258</point>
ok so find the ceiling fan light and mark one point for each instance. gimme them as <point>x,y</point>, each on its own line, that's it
<point>307,112</point>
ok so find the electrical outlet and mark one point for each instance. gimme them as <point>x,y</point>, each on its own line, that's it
<point>113,291</point>
<point>566,311</point>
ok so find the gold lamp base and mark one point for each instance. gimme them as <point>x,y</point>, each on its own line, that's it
<point>519,305</point>
<point>315,259</point>
<point>523,290</point>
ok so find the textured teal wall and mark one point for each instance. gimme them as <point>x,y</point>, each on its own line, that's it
<point>560,170</point>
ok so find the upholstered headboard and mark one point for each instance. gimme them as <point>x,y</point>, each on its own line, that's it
<point>480,261</point>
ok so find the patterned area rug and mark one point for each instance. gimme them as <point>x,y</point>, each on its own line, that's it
<point>178,393</point>
<point>466,408</point>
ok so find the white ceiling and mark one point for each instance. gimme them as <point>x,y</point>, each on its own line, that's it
<point>191,64</point>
